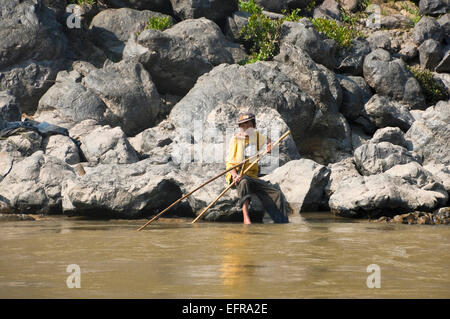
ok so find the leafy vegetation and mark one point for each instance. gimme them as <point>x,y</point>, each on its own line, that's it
<point>81,2</point>
<point>343,35</point>
<point>262,34</point>
<point>413,11</point>
<point>159,23</point>
<point>433,90</point>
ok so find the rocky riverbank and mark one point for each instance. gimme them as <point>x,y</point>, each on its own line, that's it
<point>148,92</point>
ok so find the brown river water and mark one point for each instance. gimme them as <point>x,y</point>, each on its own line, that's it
<point>314,256</point>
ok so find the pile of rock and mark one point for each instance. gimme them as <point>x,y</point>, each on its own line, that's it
<point>150,112</point>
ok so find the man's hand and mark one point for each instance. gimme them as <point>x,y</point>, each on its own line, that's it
<point>269,147</point>
<point>237,178</point>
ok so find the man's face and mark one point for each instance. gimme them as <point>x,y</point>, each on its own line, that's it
<point>245,126</point>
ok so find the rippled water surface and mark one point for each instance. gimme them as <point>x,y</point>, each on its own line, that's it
<point>315,256</point>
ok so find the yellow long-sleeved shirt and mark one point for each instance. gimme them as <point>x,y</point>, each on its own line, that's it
<point>236,153</point>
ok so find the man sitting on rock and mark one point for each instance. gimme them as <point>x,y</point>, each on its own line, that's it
<point>244,144</point>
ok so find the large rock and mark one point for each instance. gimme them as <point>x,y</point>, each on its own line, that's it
<point>32,45</point>
<point>9,109</point>
<point>219,96</point>
<point>155,5</point>
<point>61,147</point>
<point>107,145</point>
<point>279,5</point>
<point>402,189</point>
<point>392,135</point>
<point>216,10</point>
<point>427,28</point>
<point>340,171</point>
<point>328,9</point>
<point>430,54</point>
<point>34,185</point>
<point>380,111</point>
<point>111,28</point>
<point>22,144</point>
<point>121,191</point>
<point>177,56</point>
<point>442,174</point>
<point>303,183</point>
<point>390,77</point>
<point>444,64</point>
<point>433,7</point>
<point>355,94</point>
<point>377,158</point>
<point>303,35</point>
<point>430,135</point>
<point>120,94</point>
<point>351,60</point>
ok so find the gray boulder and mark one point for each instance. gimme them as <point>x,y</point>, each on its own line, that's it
<point>380,40</point>
<point>371,159</point>
<point>177,56</point>
<point>22,144</point>
<point>433,7</point>
<point>121,191</point>
<point>403,188</point>
<point>32,46</point>
<point>219,96</point>
<point>120,94</point>
<point>61,147</point>
<point>444,22</point>
<point>427,28</point>
<point>34,185</point>
<point>303,183</point>
<point>216,10</point>
<point>380,111</point>
<point>107,145</point>
<point>430,135</point>
<point>351,60</point>
<point>409,51</point>
<point>303,35</point>
<point>279,5</point>
<point>328,9</point>
<point>444,64</point>
<point>392,135</point>
<point>430,54</point>
<point>390,77</point>
<point>395,21</point>
<point>9,110</point>
<point>235,23</point>
<point>156,5</point>
<point>441,173</point>
<point>355,94</point>
<point>111,28</point>
<point>340,171</point>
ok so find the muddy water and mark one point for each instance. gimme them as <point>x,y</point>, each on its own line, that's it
<point>316,256</point>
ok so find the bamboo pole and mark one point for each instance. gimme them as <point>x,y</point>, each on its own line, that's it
<point>242,173</point>
<point>196,189</point>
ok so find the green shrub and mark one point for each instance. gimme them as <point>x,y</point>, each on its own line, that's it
<point>250,7</point>
<point>343,35</point>
<point>81,2</point>
<point>432,89</point>
<point>159,23</point>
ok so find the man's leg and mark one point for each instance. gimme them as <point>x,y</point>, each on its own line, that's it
<point>243,189</point>
<point>272,199</point>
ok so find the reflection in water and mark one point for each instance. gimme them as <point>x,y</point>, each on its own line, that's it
<point>237,266</point>
<point>314,257</point>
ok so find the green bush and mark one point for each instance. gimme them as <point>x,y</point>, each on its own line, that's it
<point>433,90</point>
<point>81,2</point>
<point>343,35</point>
<point>159,23</point>
<point>250,7</point>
